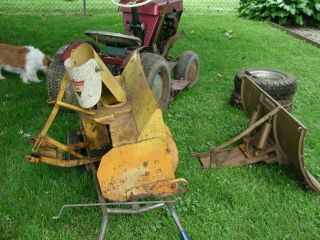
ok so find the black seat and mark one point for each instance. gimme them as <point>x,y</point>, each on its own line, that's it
<point>114,39</point>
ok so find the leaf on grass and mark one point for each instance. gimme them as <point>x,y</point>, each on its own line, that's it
<point>230,34</point>
<point>25,134</point>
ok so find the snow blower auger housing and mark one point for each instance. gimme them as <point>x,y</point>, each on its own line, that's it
<point>121,125</point>
<point>273,135</point>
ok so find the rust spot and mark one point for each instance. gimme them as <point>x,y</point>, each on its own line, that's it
<point>145,164</point>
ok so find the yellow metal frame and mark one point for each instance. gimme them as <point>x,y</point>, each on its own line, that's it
<point>140,156</point>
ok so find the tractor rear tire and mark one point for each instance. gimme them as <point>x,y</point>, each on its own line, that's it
<point>158,75</point>
<point>56,71</point>
<point>188,68</point>
<point>279,85</point>
<point>235,100</point>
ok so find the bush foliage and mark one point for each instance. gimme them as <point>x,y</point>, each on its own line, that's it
<point>281,11</point>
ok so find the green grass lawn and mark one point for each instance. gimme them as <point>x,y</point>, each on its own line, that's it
<point>254,202</point>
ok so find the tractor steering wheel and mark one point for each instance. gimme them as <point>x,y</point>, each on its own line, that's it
<point>131,3</point>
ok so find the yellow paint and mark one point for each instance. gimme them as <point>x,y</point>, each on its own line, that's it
<point>82,54</point>
<point>127,167</point>
<point>140,157</point>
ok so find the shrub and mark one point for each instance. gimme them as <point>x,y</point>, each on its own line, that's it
<point>281,11</point>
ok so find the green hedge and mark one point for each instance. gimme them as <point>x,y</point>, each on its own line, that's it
<point>282,11</point>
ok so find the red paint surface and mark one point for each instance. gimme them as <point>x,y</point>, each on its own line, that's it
<point>150,16</point>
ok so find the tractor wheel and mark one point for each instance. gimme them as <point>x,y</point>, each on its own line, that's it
<point>157,73</point>
<point>279,85</point>
<point>235,100</point>
<point>188,68</point>
<point>56,71</point>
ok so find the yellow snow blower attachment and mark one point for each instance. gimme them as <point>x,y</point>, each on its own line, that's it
<point>273,135</point>
<point>121,125</point>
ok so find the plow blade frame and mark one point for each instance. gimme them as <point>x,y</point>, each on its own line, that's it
<point>273,135</point>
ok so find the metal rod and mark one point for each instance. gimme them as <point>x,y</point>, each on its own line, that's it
<point>247,130</point>
<point>109,204</point>
<point>104,209</point>
<point>84,7</point>
<point>103,227</point>
<point>183,233</point>
<point>264,135</point>
<point>135,211</point>
<point>254,116</point>
<point>150,205</point>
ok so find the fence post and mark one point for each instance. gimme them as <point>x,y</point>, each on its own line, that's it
<point>84,7</point>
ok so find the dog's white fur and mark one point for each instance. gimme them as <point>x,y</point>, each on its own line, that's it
<point>25,61</point>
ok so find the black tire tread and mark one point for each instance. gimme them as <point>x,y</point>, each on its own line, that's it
<point>149,61</point>
<point>181,68</point>
<point>56,71</point>
<point>279,90</point>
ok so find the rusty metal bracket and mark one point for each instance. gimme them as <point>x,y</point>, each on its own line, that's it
<point>53,114</point>
<point>172,40</point>
<point>273,135</point>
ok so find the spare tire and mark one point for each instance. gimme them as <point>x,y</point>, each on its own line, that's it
<point>55,74</point>
<point>277,84</point>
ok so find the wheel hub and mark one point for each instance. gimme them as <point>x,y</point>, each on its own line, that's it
<point>192,71</point>
<point>157,85</point>
<point>274,76</point>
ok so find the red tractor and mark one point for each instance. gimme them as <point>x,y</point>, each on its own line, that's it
<point>150,27</point>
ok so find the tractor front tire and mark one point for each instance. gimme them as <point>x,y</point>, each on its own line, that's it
<point>158,75</point>
<point>56,71</point>
<point>188,68</point>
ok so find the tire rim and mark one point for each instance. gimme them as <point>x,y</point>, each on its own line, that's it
<point>192,71</point>
<point>270,75</point>
<point>157,85</point>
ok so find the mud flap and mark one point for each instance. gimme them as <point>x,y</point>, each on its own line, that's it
<point>273,135</point>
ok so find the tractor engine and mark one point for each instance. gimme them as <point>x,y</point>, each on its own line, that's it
<point>155,22</point>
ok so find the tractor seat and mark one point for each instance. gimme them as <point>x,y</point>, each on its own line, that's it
<point>114,39</point>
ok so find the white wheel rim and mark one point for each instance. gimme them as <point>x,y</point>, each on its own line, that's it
<point>268,75</point>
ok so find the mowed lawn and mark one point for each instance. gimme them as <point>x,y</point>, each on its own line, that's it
<point>253,202</point>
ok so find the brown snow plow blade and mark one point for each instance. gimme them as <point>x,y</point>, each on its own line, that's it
<point>273,136</point>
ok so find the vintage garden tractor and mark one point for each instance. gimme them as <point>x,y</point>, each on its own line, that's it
<point>122,137</point>
<point>151,28</point>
